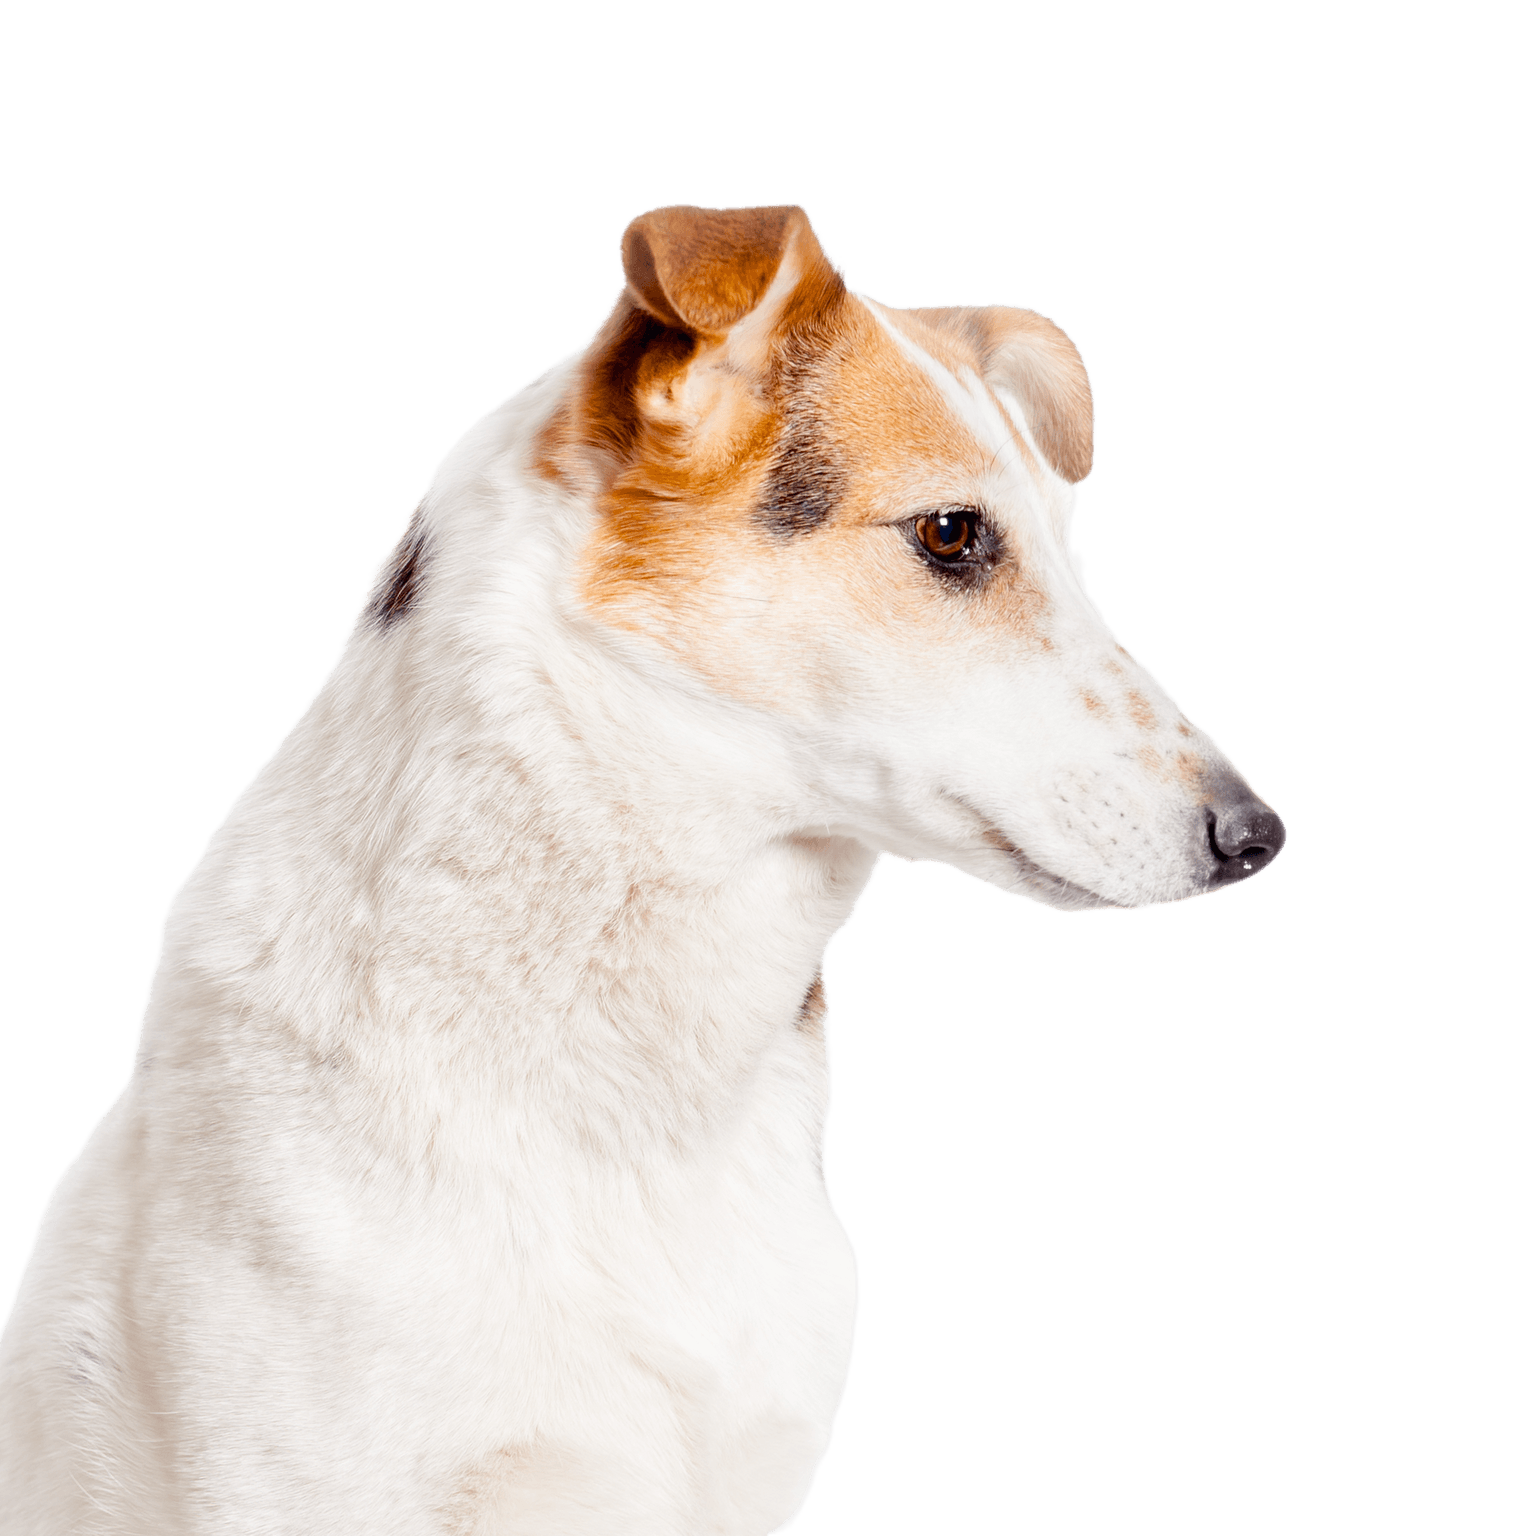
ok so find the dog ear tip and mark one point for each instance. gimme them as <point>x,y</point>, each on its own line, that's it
<point>701,270</point>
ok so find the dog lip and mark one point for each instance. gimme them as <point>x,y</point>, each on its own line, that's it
<point>1051,887</point>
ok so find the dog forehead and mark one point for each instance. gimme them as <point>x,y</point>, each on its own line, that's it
<point>905,406</point>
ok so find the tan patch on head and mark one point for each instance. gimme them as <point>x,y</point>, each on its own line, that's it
<point>676,412</point>
<point>1183,729</point>
<point>904,450</point>
<point>1092,702</point>
<point>693,275</point>
<point>751,436</point>
<point>904,445</point>
<point>1152,760</point>
<point>685,496</point>
<point>1023,353</point>
<point>1190,768</point>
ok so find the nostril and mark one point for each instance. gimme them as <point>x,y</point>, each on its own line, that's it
<point>1243,836</point>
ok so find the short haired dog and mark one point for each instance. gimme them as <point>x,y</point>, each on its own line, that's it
<point>469,1176</point>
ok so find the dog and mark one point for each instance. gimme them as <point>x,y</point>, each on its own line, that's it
<point>468,1180</point>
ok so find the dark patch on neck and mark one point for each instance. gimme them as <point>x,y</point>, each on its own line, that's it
<point>805,481</point>
<point>813,1009</point>
<point>404,582</point>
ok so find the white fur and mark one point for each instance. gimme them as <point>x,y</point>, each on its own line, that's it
<point>469,1178</point>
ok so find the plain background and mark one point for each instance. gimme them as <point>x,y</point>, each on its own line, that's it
<point>1211,1218</point>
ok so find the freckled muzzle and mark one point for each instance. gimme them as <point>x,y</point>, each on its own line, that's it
<point>1242,835</point>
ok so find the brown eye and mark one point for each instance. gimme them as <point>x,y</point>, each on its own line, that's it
<point>947,535</point>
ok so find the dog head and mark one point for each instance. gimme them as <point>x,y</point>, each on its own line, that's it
<point>855,519</point>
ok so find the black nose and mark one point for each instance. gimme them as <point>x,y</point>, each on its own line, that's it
<point>1245,835</point>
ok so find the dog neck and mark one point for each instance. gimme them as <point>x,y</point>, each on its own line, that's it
<point>550,877</point>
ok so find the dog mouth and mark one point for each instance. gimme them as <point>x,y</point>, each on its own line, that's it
<point>1042,883</point>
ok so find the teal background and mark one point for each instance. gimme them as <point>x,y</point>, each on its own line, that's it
<point>1205,1219</point>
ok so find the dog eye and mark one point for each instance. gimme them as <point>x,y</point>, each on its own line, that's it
<point>948,535</point>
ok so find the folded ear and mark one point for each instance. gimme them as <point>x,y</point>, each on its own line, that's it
<point>695,341</point>
<point>1027,355</point>
<point>705,269</point>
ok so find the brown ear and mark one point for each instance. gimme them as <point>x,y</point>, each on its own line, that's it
<point>703,269</point>
<point>1033,359</point>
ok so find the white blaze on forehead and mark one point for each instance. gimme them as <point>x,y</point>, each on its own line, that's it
<point>973,403</point>
<point>1040,465</point>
